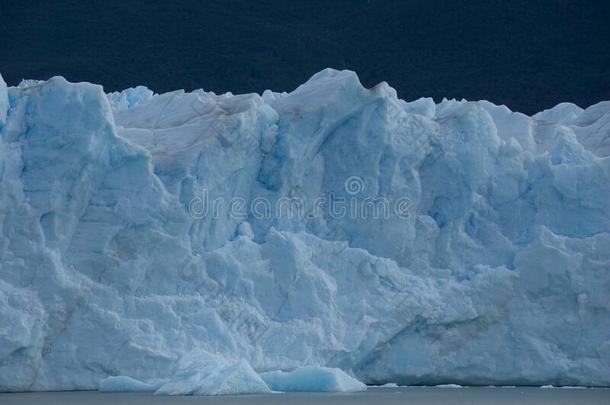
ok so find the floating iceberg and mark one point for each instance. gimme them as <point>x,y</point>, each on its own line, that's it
<point>312,379</point>
<point>416,243</point>
<point>197,373</point>
<point>201,373</point>
<point>123,383</point>
<point>389,385</point>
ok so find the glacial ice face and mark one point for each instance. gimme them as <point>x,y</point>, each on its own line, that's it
<point>490,263</point>
<point>129,98</point>
<point>3,102</point>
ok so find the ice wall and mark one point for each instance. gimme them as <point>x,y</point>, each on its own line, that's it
<point>3,101</point>
<point>334,225</point>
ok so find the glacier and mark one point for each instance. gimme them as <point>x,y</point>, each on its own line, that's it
<point>201,241</point>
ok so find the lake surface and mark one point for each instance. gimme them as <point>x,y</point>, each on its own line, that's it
<point>381,396</point>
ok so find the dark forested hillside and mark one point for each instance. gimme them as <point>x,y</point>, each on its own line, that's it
<point>526,54</point>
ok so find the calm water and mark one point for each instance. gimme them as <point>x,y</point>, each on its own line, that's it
<point>381,396</point>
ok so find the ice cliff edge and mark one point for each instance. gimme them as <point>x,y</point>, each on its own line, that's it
<point>335,225</point>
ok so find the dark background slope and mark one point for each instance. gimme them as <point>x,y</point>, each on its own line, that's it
<point>528,55</point>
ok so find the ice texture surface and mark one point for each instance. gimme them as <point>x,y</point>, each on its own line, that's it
<point>197,373</point>
<point>492,267</point>
<point>202,373</point>
<point>123,383</point>
<point>312,379</point>
<point>3,102</point>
